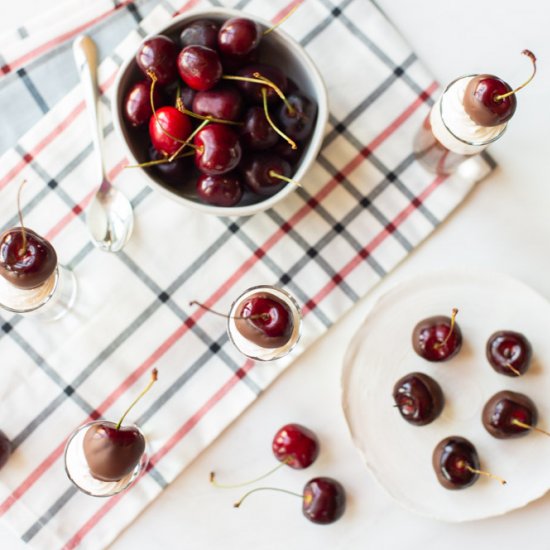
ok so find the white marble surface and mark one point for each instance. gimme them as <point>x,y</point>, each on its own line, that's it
<point>504,225</point>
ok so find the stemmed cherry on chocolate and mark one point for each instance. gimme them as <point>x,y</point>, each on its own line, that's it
<point>489,101</point>
<point>419,398</point>
<point>323,499</point>
<point>113,451</point>
<point>456,463</point>
<point>437,338</point>
<point>262,319</point>
<point>510,414</point>
<point>509,352</point>
<point>293,445</point>
<point>26,259</point>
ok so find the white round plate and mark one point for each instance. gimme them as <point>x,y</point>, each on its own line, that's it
<point>399,454</point>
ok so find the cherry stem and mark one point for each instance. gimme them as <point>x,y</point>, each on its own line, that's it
<point>209,118</point>
<point>246,495</point>
<point>160,161</point>
<point>257,78</point>
<point>274,174</point>
<point>263,316</point>
<point>513,369</point>
<point>453,317</point>
<point>23,250</point>
<point>188,140</point>
<point>533,59</point>
<point>282,20</point>
<point>154,378</point>
<point>521,424</point>
<point>235,485</point>
<point>272,124</point>
<point>481,472</point>
<point>153,78</point>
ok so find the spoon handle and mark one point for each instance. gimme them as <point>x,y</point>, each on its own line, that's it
<point>85,56</point>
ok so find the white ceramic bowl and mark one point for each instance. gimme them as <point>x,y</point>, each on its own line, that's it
<point>279,49</point>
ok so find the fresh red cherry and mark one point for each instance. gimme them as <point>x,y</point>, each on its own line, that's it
<point>137,104</point>
<point>283,150</point>
<point>169,129</point>
<point>489,101</point>
<point>220,190</point>
<point>175,173</point>
<point>265,173</point>
<point>257,134</point>
<point>239,36</point>
<point>199,67</point>
<point>509,352</point>
<point>26,259</point>
<point>419,398</point>
<point>232,63</point>
<point>437,338</point>
<point>113,451</point>
<point>265,320</point>
<point>224,102</point>
<point>253,90</point>
<point>202,32</point>
<point>158,54</point>
<point>297,123</point>
<point>509,414</point>
<point>296,446</point>
<point>218,149</point>
<point>324,500</point>
<point>5,449</point>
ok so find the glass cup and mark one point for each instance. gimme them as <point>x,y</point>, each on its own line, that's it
<point>78,471</point>
<point>47,302</point>
<point>252,349</point>
<point>438,145</point>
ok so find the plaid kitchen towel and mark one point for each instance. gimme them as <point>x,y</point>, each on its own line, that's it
<point>363,207</point>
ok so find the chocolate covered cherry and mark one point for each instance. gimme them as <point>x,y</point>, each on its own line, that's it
<point>456,463</point>
<point>509,414</point>
<point>489,101</point>
<point>509,352</point>
<point>437,338</point>
<point>26,259</point>
<point>265,320</point>
<point>419,398</point>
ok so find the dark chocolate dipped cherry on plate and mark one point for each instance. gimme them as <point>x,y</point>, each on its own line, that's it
<point>323,499</point>
<point>437,338</point>
<point>510,414</point>
<point>113,451</point>
<point>218,117</point>
<point>489,101</point>
<point>456,463</point>
<point>419,398</point>
<point>509,352</point>
<point>293,445</point>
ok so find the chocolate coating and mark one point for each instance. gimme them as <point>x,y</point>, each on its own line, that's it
<point>507,347</point>
<point>480,103</point>
<point>419,398</point>
<point>450,459</point>
<point>428,337</point>
<point>112,454</point>
<point>503,408</point>
<point>26,266</point>
<point>273,332</point>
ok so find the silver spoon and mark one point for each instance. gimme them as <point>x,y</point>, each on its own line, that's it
<point>110,217</point>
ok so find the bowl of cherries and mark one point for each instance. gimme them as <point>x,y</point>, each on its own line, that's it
<point>222,112</point>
